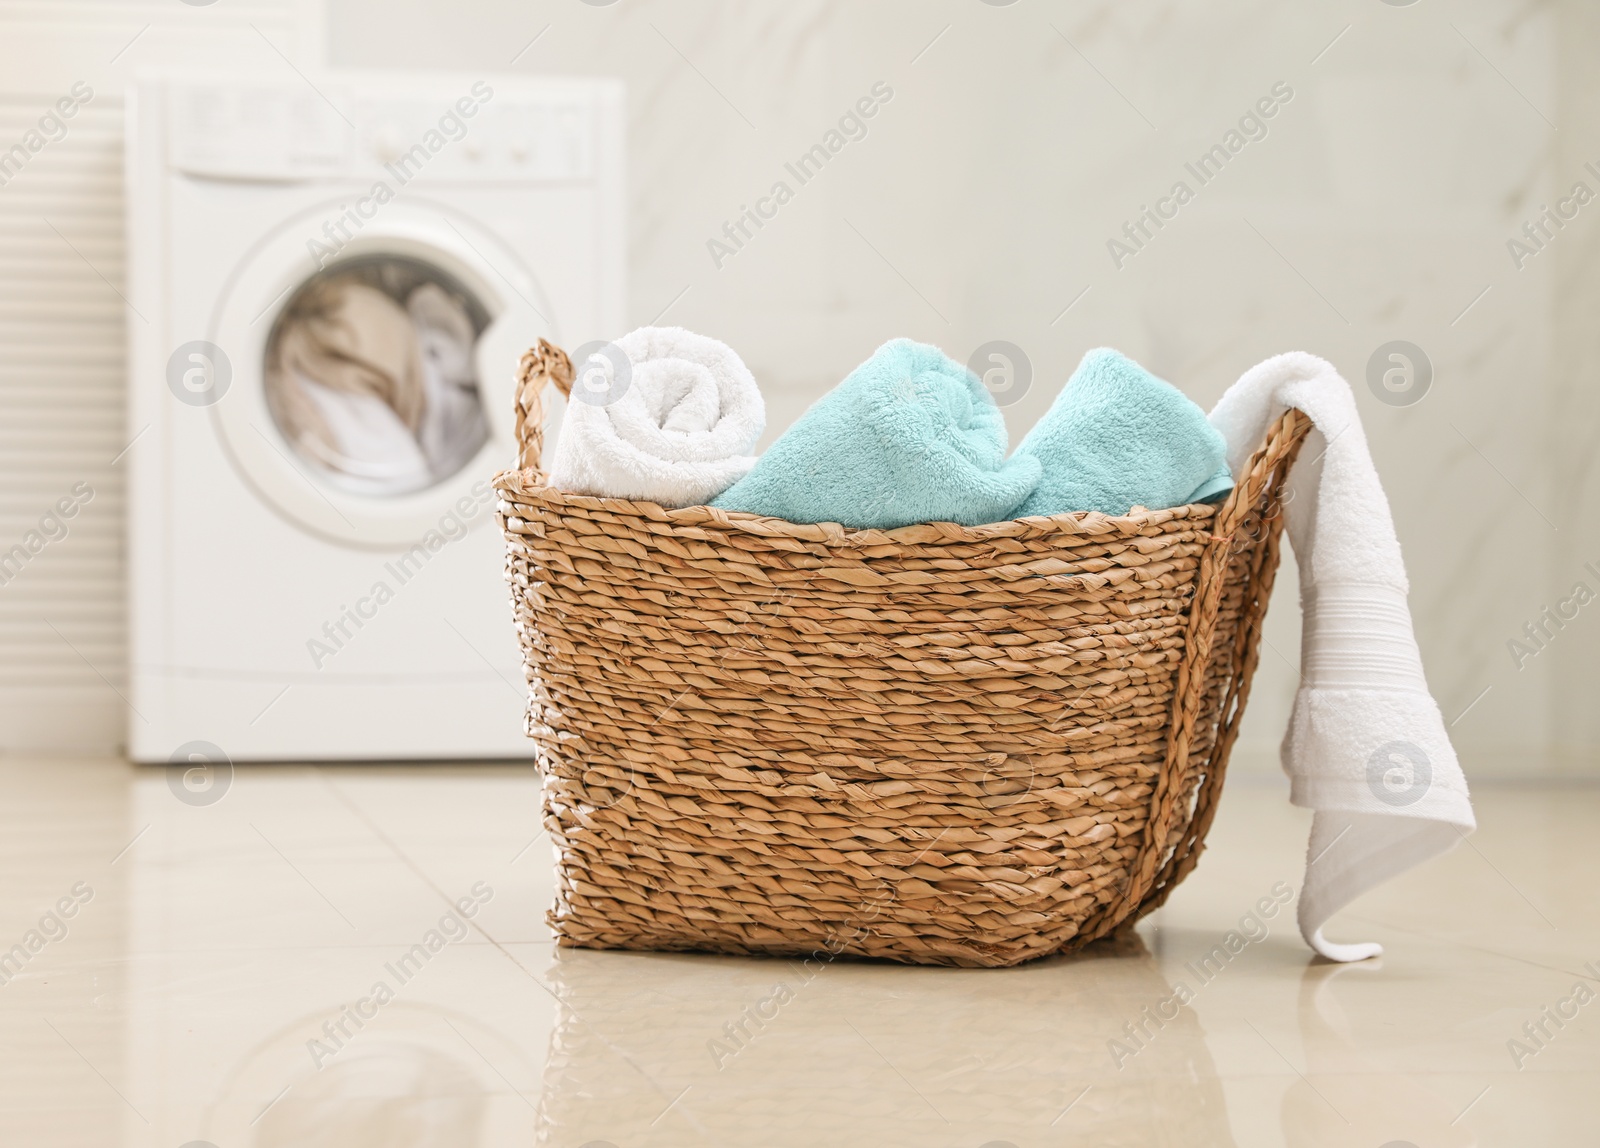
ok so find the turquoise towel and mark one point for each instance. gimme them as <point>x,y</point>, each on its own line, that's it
<point>1118,437</point>
<point>908,437</point>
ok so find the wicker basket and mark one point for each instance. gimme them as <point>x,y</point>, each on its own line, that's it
<point>938,744</point>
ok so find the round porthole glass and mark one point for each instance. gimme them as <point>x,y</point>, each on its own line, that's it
<point>371,377</point>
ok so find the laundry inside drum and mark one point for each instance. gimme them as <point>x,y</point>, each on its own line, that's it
<point>371,376</point>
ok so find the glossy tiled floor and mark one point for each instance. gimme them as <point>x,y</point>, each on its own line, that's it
<point>214,953</point>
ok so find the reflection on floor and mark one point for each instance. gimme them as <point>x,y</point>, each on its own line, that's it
<point>356,956</point>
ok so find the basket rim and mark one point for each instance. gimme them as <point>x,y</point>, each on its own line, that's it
<point>531,482</point>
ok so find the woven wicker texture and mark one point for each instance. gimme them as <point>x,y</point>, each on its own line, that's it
<point>937,744</point>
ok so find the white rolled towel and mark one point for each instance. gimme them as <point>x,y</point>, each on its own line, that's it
<point>1366,748</point>
<point>672,419</point>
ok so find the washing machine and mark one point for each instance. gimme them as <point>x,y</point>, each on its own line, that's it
<point>330,281</point>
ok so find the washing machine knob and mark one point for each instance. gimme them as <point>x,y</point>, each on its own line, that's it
<point>388,145</point>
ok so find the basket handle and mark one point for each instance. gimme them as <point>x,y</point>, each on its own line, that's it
<point>1167,859</point>
<point>541,364</point>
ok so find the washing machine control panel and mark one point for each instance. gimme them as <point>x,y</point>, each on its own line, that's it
<point>335,130</point>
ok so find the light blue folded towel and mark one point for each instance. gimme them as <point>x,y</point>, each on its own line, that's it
<point>909,436</point>
<point>1118,437</point>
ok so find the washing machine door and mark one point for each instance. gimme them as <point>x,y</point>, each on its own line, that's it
<point>371,392</point>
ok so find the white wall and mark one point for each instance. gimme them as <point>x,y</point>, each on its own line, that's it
<point>1575,398</point>
<point>978,207</point>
